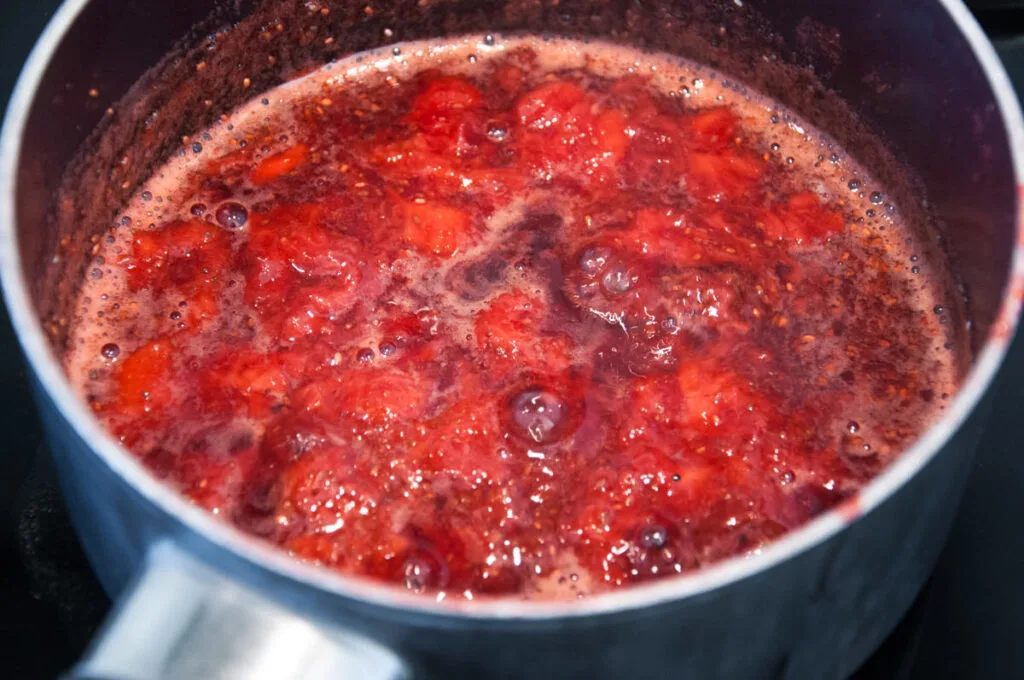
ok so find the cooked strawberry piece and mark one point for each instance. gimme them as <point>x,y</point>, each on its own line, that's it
<point>442,103</point>
<point>653,347</point>
<point>652,420</point>
<point>729,173</point>
<point>327,297</point>
<point>609,142</point>
<point>213,481</point>
<point>371,395</point>
<point>508,334</point>
<point>416,157</point>
<point>636,522</point>
<point>280,164</point>
<point>657,401</point>
<point>803,218</point>
<point>317,307</point>
<point>612,136</point>
<point>149,248</point>
<point>710,392</point>
<point>289,245</point>
<point>319,253</point>
<point>509,324</point>
<point>661,515</point>
<point>637,549</point>
<point>565,140</point>
<point>431,161</point>
<point>323,549</point>
<point>405,330</point>
<point>231,163</point>
<point>431,560</point>
<point>294,433</point>
<point>434,228</point>
<point>557,139</point>
<point>325,487</point>
<point>703,239</point>
<point>247,379</point>
<point>177,254</point>
<point>717,398</point>
<point>465,441</point>
<point>714,128</point>
<point>501,183</point>
<point>446,94</point>
<point>142,379</point>
<point>246,373</point>
<point>656,159</point>
<point>202,310</point>
<point>551,106</point>
<point>720,239</point>
<point>706,295</point>
<point>657,231</point>
<point>551,354</point>
<point>313,478</point>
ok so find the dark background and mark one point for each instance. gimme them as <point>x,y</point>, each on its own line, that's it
<point>966,624</point>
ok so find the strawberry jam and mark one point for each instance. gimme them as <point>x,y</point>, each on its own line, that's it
<point>521,317</point>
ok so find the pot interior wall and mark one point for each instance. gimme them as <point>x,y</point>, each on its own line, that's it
<point>895,83</point>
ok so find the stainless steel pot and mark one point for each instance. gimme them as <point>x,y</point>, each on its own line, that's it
<point>912,88</point>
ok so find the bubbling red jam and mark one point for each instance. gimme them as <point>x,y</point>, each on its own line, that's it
<point>512,317</point>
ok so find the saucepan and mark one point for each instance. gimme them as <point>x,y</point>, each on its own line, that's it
<point>912,89</point>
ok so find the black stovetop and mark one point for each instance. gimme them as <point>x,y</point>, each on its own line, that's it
<point>965,624</point>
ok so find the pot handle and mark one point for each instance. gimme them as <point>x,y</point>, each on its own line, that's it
<point>183,620</point>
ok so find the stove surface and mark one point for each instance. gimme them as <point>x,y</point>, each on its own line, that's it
<point>964,625</point>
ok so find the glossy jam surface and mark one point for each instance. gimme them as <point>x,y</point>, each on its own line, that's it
<point>518,319</point>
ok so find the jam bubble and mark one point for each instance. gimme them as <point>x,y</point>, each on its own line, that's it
<point>539,415</point>
<point>232,215</point>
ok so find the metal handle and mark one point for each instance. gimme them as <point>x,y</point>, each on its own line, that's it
<point>183,620</point>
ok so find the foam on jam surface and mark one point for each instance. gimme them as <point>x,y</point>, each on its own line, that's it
<point>512,317</point>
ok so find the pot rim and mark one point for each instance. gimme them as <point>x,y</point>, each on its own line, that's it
<point>51,376</point>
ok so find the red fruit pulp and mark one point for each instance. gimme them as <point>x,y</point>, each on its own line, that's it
<point>532,326</point>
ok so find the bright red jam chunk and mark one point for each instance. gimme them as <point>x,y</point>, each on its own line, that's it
<point>472,333</point>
